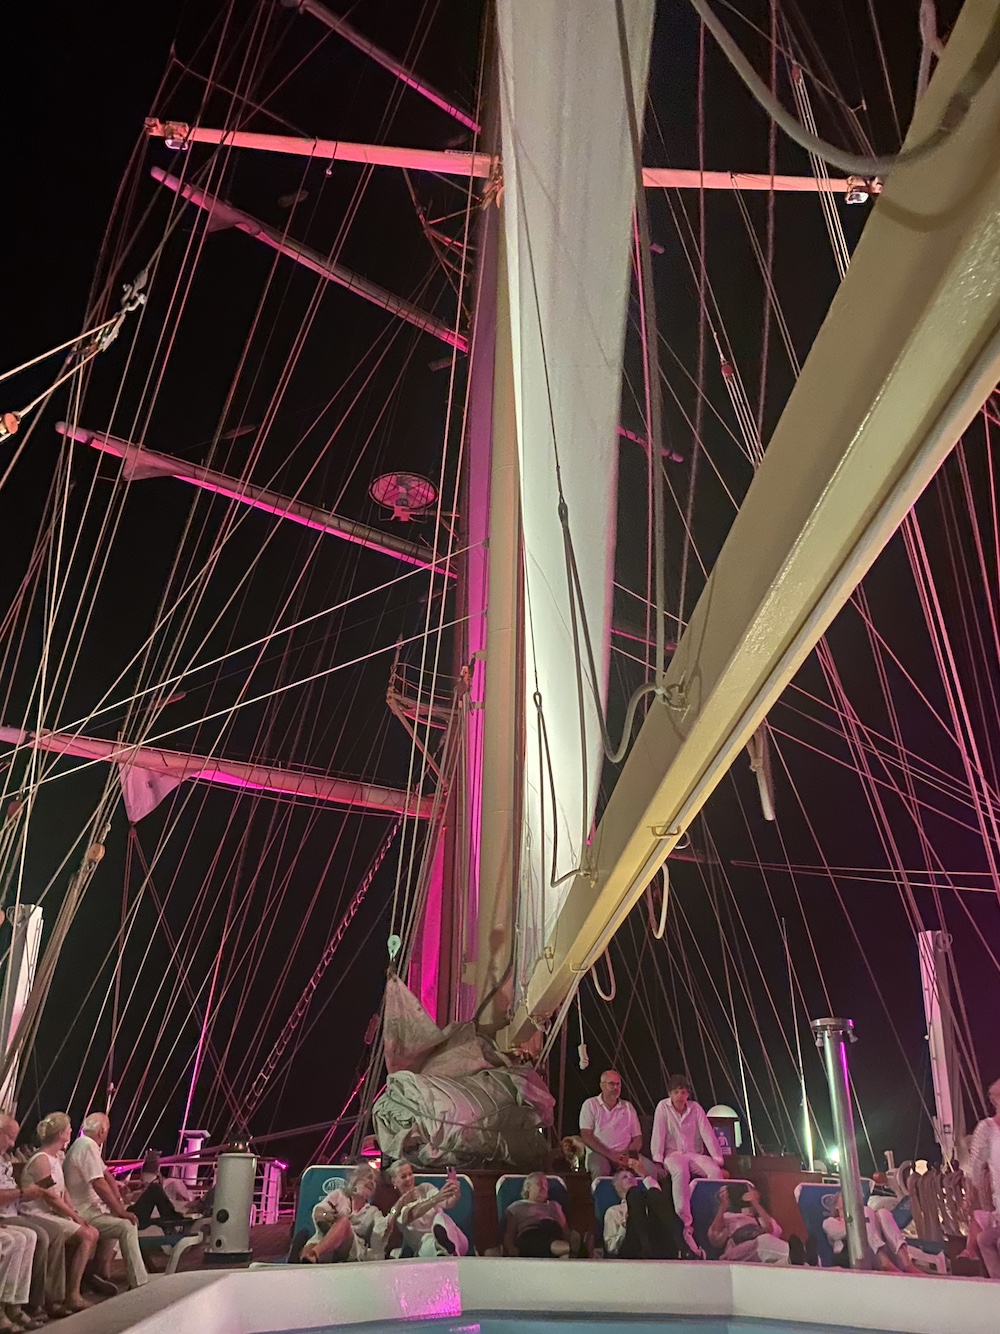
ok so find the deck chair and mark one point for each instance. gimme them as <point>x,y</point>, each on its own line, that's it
<point>509,1188</point>
<point>809,1196</point>
<point>315,1184</point>
<point>602,1189</point>
<point>704,1205</point>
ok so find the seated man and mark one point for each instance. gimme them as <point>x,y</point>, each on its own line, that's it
<point>643,1226</point>
<point>535,1225</point>
<point>170,1196</point>
<point>146,1197</point>
<point>889,1251</point>
<point>609,1127</point>
<point>94,1193</point>
<point>684,1145</point>
<point>744,1231</point>
<point>426,1227</point>
<point>347,1225</point>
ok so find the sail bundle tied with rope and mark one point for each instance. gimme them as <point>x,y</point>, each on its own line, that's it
<point>451,1097</point>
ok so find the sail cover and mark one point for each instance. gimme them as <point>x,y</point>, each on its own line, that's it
<point>568,197</point>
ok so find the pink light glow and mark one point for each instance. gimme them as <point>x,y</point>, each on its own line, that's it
<point>425,969</point>
<point>425,1289</point>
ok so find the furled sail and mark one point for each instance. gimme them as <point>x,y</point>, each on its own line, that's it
<point>451,1097</point>
<point>568,196</point>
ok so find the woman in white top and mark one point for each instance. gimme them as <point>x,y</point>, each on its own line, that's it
<point>348,1226</point>
<point>45,1169</point>
<point>984,1168</point>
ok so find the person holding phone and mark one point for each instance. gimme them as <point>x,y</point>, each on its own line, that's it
<point>421,1212</point>
<point>744,1231</point>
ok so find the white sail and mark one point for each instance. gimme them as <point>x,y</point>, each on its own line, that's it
<point>568,198</point>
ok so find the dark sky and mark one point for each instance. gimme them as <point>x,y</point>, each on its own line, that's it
<point>266,884</point>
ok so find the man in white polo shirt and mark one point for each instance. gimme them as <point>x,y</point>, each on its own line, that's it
<point>96,1197</point>
<point>609,1128</point>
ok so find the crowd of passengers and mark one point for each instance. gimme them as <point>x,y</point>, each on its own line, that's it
<point>63,1214</point>
<point>652,1218</point>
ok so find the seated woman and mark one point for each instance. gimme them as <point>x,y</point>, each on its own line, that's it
<point>644,1225</point>
<point>534,1225</point>
<point>885,1240</point>
<point>44,1169</point>
<point>426,1227</point>
<point>348,1226</point>
<point>744,1231</point>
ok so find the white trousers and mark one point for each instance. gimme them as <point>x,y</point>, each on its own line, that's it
<point>764,1250</point>
<point>989,1240</point>
<point>17,1250</point>
<point>126,1234</point>
<point>682,1167</point>
<point>428,1242</point>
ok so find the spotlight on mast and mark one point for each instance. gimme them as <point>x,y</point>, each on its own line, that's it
<point>406,494</point>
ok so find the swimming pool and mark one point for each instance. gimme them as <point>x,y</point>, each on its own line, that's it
<point>558,1323</point>
<point>506,1296</point>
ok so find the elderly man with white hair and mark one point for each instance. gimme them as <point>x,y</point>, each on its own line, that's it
<point>96,1197</point>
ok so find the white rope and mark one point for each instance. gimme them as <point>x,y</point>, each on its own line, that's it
<point>605,995</point>
<point>831,216</point>
<point>658,927</point>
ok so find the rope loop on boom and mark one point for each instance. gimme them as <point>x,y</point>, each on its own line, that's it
<point>658,927</point>
<point>605,995</point>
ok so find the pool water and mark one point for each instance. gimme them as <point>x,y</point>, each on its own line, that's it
<point>472,1323</point>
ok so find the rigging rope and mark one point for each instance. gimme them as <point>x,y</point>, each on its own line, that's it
<point>258,1087</point>
<point>854,164</point>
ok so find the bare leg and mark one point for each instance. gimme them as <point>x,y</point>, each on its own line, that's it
<point>989,1249</point>
<point>82,1244</point>
<point>335,1244</point>
<point>971,1251</point>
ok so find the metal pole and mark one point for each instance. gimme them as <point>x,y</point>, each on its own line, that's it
<point>223,215</point>
<point>832,1035</point>
<point>147,463</point>
<point>402,72</point>
<point>933,949</point>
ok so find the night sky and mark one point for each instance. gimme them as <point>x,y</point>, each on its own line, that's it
<point>249,890</point>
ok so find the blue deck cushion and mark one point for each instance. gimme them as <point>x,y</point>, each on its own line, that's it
<point>605,1195</point>
<point>509,1189</point>
<point>317,1182</point>
<point>704,1205</point>
<point>810,1195</point>
<point>154,1241</point>
<point>704,1202</point>
<point>315,1185</point>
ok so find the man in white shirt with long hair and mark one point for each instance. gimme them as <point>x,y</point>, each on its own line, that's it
<point>684,1145</point>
